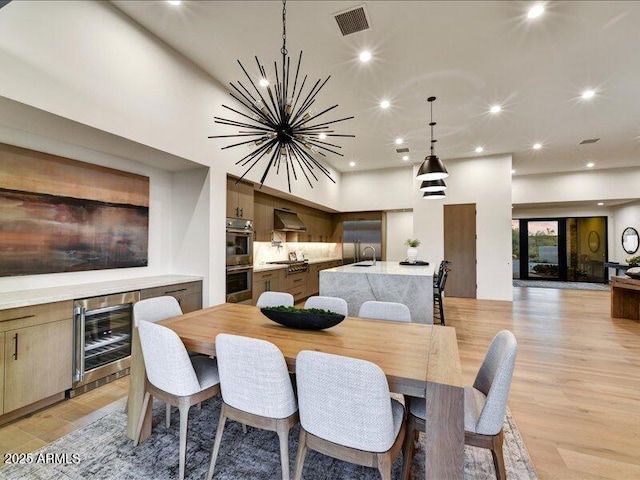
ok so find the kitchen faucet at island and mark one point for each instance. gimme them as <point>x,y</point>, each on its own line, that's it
<point>373,258</point>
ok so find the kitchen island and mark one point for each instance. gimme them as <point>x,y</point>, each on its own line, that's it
<point>385,282</point>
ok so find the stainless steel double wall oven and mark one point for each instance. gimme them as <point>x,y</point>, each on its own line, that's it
<point>239,252</point>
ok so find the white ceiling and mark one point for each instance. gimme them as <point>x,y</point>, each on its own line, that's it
<point>470,55</point>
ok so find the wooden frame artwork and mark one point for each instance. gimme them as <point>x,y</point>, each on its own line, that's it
<point>62,215</point>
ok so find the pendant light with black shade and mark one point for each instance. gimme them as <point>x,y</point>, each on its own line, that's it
<point>432,168</point>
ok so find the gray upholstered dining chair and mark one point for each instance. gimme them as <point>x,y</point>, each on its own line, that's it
<point>275,299</point>
<point>154,310</point>
<point>485,404</point>
<point>256,390</point>
<point>346,412</point>
<point>333,304</point>
<point>397,312</point>
<point>174,377</point>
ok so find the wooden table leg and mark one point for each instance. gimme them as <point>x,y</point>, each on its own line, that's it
<point>137,381</point>
<point>444,455</point>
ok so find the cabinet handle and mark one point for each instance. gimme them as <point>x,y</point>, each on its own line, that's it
<point>175,291</point>
<point>237,211</point>
<point>15,347</point>
<point>242,212</point>
<point>268,285</point>
<point>19,318</point>
<point>268,275</point>
<point>298,280</point>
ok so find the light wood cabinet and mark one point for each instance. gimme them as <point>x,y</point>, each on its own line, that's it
<point>37,362</point>
<point>189,295</point>
<point>239,199</point>
<point>263,217</point>
<point>269,281</point>
<point>36,350</point>
<point>313,275</point>
<point>296,284</point>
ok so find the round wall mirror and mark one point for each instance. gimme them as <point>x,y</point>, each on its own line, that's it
<point>630,240</point>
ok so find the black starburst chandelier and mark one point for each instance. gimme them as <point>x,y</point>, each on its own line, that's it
<point>282,125</point>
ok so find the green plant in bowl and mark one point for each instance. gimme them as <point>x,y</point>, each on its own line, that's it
<point>302,318</point>
<point>412,242</point>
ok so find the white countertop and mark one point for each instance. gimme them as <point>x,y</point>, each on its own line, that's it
<point>385,268</point>
<point>38,296</point>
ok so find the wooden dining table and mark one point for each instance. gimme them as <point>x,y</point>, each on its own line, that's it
<point>418,360</point>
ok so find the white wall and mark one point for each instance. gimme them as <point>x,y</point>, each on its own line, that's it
<point>399,229</point>
<point>386,189</point>
<point>592,185</point>
<point>627,215</point>
<point>485,181</point>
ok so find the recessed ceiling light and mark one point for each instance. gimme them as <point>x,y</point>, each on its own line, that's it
<point>384,104</point>
<point>405,158</point>
<point>495,109</point>
<point>535,11</point>
<point>322,136</point>
<point>174,2</point>
<point>365,56</point>
<point>352,164</point>
<point>264,82</point>
<point>537,146</point>
<point>600,204</point>
<point>479,149</point>
<point>590,165</point>
<point>399,141</point>
<point>587,94</point>
<point>512,171</point>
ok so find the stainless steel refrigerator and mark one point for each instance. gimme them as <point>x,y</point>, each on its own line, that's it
<point>357,234</point>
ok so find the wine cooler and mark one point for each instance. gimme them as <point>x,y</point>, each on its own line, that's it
<point>102,339</point>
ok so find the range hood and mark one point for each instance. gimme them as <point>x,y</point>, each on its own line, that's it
<point>287,221</point>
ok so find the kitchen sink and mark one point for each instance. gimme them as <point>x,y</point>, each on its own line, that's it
<point>363,265</point>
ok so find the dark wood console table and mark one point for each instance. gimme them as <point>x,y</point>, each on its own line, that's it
<point>625,298</point>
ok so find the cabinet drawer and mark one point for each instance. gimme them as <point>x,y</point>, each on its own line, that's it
<point>188,294</point>
<point>35,315</point>
<point>298,292</point>
<point>268,275</point>
<point>177,289</point>
<point>295,280</point>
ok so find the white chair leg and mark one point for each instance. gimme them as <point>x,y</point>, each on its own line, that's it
<point>168,415</point>
<point>216,443</point>
<point>283,437</point>
<point>184,417</point>
<point>244,428</point>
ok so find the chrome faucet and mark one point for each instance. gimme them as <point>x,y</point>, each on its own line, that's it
<point>374,253</point>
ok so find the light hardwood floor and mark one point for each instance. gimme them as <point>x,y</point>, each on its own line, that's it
<point>575,394</point>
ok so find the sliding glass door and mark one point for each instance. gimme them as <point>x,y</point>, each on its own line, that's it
<point>542,249</point>
<point>570,248</point>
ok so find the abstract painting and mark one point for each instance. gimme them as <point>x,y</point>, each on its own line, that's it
<point>62,215</point>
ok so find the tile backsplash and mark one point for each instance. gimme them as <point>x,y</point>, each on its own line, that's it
<point>264,252</point>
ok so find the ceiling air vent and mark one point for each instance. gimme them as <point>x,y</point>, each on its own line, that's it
<point>353,20</point>
<point>588,141</point>
<point>402,150</point>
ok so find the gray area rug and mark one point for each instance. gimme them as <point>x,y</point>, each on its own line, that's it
<point>570,285</point>
<point>102,451</point>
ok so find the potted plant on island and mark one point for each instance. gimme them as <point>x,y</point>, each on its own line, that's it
<point>412,251</point>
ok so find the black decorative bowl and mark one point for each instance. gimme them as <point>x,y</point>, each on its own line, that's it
<point>303,321</point>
